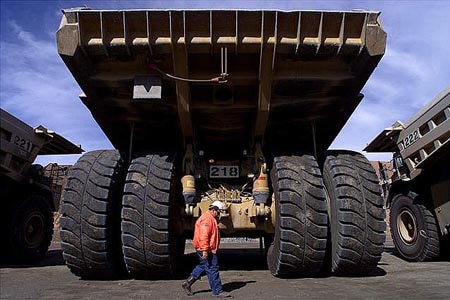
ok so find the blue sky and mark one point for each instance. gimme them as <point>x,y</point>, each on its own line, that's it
<point>37,87</point>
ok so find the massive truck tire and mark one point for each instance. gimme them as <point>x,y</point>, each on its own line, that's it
<point>90,216</point>
<point>413,229</point>
<point>30,229</point>
<point>300,240</point>
<point>150,246</point>
<point>356,211</point>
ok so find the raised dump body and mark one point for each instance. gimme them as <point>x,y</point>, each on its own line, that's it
<point>419,191</point>
<point>28,198</point>
<point>250,76</point>
<point>235,106</point>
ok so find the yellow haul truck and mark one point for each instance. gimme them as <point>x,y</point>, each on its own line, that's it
<point>419,191</point>
<point>28,196</point>
<point>235,106</point>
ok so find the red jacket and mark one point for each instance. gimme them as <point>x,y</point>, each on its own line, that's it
<point>206,233</point>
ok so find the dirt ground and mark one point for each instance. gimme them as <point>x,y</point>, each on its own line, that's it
<point>244,273</point>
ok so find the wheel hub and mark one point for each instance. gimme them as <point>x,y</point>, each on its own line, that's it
<point>407,226</point>
<point>34,230</point>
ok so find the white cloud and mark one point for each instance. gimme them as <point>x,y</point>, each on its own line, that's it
<point>407,64</point>
<point>414,69</point>
<point>37,87</point>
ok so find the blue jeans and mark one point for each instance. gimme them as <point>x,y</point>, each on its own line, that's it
<point>211,267</point>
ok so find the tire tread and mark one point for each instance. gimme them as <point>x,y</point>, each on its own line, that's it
<point>300,240</point>
<point>358,231</point>
<point>88,209</point>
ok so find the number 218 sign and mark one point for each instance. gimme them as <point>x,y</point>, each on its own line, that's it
<point>223,171</point>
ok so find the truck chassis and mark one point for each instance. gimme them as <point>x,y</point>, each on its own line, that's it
<point>236,106</point>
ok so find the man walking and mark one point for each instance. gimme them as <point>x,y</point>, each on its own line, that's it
<point>206,243</point>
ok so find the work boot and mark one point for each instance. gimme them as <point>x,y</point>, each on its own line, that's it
<point>224,295</point>
<point>186,285</point>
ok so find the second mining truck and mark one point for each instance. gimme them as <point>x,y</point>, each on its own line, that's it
<point>29,195</point>
<point>236,106</point>
<point>418,194</point>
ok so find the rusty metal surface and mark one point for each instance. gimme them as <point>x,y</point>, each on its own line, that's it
<point>286,72</point>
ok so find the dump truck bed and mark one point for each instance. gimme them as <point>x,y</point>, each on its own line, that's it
<point>21,144</point>
<point>221,78</point>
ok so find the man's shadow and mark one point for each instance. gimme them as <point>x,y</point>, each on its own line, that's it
<point>229,286</point>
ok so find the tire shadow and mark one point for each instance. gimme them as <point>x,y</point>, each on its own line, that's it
<point>52,258</point>
<point>377,272</point>
<point>391,250</point>
<point>253,259</point>
<point>248,259</point>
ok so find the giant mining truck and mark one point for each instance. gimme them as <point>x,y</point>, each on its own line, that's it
<point>29,194</point>
<point>229,105</point>
<point>418,193</point>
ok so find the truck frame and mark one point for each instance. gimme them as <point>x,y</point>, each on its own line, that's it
<point>229,105</point>
<point>418,193</point>
<point>29,197</point>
